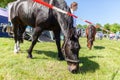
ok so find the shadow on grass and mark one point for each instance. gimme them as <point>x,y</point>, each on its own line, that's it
<point>99,47</point>
<point>47,53</point>
<point>88,65</point>
<point>114,74</point>
<point>95,57</point>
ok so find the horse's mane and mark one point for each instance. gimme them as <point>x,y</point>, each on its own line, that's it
<point>63,5</point>
<point>67,19</point>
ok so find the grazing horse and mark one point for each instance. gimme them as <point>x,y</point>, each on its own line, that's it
<point>28,12</point>
<point>90,33</point>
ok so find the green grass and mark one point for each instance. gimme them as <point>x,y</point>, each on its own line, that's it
<point>101,63</point>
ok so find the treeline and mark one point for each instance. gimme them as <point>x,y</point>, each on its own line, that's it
<point>110,27</point>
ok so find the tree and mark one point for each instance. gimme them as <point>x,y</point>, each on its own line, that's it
<point>115,27</point>
<point>98,24</point>
<point>107,27</point>
<point>3,3</point>
<point>84,26</point>
<point>80,26</point>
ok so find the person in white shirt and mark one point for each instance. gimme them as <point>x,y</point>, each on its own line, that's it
<point>73,7</point>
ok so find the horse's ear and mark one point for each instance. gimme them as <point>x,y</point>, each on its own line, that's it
<point>78,33</point>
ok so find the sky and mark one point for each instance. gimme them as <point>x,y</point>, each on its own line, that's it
<point>97,11</point>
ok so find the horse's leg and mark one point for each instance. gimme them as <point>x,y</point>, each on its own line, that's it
<point>57,39</point>
<point>35,36</point>
<point>87,41</point>
<point>16,50</point>
<point>15,29</point>
<point>91,44</point>
<point>20,37</point>
<point>18,31</point>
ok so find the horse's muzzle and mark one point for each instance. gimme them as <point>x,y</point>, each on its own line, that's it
<point>73,68</point>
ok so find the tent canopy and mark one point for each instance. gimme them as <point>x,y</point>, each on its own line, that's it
<point>3,15</point>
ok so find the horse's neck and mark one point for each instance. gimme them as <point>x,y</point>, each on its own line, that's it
<point>68,32</point>
<point>63,19</point>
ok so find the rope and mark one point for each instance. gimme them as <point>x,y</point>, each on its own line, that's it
<point>54,8</point>
<point>65,12</point>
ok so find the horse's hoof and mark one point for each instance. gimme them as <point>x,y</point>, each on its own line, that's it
<point>16,51</point>
<point>19,49</point>
<point>30,57</point>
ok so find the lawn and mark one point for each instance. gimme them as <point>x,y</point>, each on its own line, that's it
<point>100,63</point>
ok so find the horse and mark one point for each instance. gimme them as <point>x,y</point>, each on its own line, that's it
<point>90,34</point>
<point>39,17</point>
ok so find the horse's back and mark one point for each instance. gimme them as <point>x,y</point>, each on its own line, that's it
<point>28,11</point>
<point>90,31</point>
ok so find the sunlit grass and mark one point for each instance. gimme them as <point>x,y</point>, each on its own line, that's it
<point>101,63</point>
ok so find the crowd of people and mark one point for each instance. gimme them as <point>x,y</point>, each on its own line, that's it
<point>111,35</point>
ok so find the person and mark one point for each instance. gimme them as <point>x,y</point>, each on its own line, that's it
<point>117,35</point>
<point>74,7</point>
<point>111,35</point>
<point>100,35</point>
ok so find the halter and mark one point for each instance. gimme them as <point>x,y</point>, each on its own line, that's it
<point>63,50</point>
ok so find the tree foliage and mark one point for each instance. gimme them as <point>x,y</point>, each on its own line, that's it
<point>107,26</point>
<point>98,24</point>
<point>114,27</point>
<point>80,26</point>
<point>3,3</point>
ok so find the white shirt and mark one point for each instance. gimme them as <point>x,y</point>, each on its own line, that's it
<point>74,19</point>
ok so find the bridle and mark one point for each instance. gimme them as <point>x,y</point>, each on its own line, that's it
<point>63,50</point>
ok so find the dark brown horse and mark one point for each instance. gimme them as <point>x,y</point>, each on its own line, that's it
<point>28,12</point>
<point>90,34</point>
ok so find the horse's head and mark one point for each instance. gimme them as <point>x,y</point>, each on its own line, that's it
<point>71,43</point>
<point>89,44</point>
<point>71,49</point>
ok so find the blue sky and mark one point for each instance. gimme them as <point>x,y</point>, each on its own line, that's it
<point>98,11</point>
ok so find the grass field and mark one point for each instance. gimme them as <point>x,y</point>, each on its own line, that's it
<point>101,63</point>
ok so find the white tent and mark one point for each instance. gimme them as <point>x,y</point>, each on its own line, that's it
<point>3,15</point>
